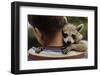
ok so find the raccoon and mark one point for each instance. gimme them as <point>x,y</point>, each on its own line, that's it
<point>73,38</point>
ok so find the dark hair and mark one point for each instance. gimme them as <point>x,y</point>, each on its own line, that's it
<point>47,24</point>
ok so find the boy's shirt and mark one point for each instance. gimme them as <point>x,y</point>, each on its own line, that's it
<point>47,54</point>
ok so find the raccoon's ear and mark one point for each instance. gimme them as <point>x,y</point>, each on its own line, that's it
<point>65,18</point>
<point>80,27</point>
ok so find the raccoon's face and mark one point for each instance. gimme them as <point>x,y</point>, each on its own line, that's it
<point>71,33</point>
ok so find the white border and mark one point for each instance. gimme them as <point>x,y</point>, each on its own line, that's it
<point>26,65</point>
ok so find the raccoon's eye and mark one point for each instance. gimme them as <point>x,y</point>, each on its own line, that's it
<point>65,35</point>
<point>73,36</point>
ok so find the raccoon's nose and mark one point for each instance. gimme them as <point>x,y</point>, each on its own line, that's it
<point>69,42</point>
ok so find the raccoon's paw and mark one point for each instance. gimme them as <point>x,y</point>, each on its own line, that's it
<point>66,50</point>
<point>38,50</point>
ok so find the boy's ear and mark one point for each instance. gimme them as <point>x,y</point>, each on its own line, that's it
<point>80,27</point>
<point>38,32</point>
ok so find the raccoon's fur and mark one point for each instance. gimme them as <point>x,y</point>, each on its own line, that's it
<point>73,38</point>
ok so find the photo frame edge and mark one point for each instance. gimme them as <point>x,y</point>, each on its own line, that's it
<point>15,31</point>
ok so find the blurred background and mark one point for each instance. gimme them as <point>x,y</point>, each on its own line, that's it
<point>32,41</point>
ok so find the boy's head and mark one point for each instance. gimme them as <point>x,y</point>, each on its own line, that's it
<point>46,27</point>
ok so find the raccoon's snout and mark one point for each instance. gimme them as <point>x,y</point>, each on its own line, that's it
<point>68,42</point>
